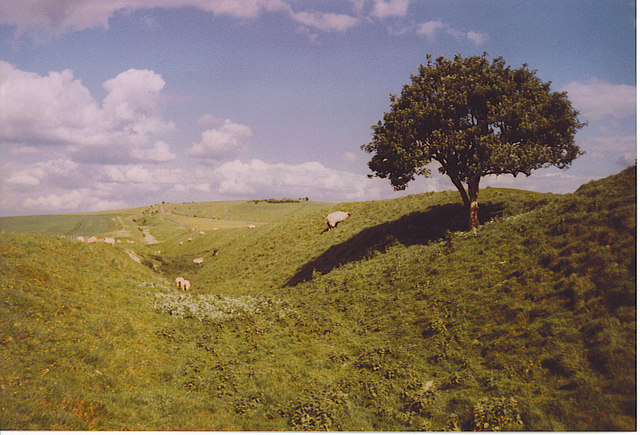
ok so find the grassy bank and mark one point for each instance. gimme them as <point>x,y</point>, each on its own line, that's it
<point>394,320</point>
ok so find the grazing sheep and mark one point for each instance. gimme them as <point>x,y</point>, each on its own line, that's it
<point>179,281</point>
<point>252,227</point>
<point>186,285</point>
<point>180,243</point>
<point>201,233</point>
<point>110,241</point>
<point>92,239</point>
<point>335,218</point>
<point>198,260</point>
<point>189,239</point>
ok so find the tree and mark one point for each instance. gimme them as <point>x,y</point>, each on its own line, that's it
<point>475,118</point>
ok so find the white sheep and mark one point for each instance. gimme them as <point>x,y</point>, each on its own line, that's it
<point>92,239</point>
<point>110,241</point>
<point>81,239</point>
<point>186,285</point>
<point>180,243</point>
<point>179,280</point>
<point>189,239</point>
<point>252,227</point>
<point>335,218</point>
<point>198,260</point>
<point>201,233</point>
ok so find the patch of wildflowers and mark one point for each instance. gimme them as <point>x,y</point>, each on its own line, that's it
<point>214,307</point>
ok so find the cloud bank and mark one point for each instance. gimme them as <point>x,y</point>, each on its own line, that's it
<point>58,110</point>
<point>43,19</point>
<point>597,99</point>
<point>219,144</point>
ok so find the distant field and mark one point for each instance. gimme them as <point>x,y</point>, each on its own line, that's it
<point>163,221</point>
<point>243,211</point>
<point>70,225</point>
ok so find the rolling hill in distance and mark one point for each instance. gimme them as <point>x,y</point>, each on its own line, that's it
<point>395,320</point>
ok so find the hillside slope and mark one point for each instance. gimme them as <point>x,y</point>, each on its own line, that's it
<point>395,320</point>
<point>284,252</point>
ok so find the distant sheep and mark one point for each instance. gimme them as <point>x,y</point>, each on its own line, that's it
<point>179,280</point>
<point>92,239</point>
<point>110,241</point>
<point>186,285</point>
<point>251,227</point>
<point>81,239</point>
<point>336,217</point>
<point>189,239</point>
<point>180,243</point>
<point>198,260</point>
<point>201,233</point>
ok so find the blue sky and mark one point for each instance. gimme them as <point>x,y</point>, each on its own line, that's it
<point>129,102</point>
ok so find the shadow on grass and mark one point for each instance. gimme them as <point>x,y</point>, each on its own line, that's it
<point>418,228</point>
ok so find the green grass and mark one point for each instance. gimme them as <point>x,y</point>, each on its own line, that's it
<point>71,225</point>
<point>395,320</point>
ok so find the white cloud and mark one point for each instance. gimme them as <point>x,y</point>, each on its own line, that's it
<point>325,21</point>
<point>260,179</point>
<point>71,200</point>
<point>22,178</point>
<point>208,119</point>
<point>431,29</point>
<point>622,150</point>
<point>390,8</point>
<point>222,143</point>
<point>43,18</point>
<point>132,103</point>
<point>58,109</point>
<point>477,37</point>
<point>597,99</point>
<point>160,152</point>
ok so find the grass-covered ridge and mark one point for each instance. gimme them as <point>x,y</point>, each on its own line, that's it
<point>395,320</point>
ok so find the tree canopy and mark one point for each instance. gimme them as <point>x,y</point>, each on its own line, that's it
<point>475,118</point>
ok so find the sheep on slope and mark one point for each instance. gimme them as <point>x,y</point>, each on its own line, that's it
<point>335,218</point>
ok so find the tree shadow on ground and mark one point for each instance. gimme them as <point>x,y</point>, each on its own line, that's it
<point>418,228</point>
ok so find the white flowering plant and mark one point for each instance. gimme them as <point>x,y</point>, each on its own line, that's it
<point>215,307</point>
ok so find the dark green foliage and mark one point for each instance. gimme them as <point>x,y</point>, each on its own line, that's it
<point>475,118</point>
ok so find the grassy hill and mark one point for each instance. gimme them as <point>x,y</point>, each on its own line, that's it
<point>394,320</point>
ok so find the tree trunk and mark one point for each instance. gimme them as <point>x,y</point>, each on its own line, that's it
<point>470,199</point>
<point>473,207</point>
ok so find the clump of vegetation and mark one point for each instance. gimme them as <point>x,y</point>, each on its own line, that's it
<point>280,201</point>
<point>214,307</point>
